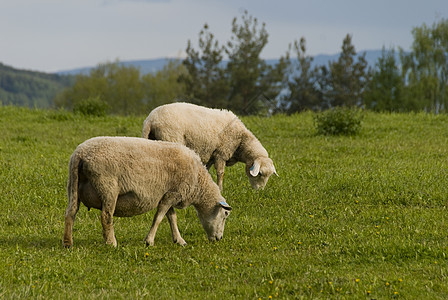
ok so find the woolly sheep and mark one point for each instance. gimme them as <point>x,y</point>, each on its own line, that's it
<point>124,177</point>
<point>217,136</point>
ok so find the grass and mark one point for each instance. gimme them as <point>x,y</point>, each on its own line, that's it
<point>355,217</point>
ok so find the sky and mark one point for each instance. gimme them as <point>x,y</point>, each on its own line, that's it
<point>56,35</point>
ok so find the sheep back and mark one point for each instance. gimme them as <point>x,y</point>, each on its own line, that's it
<point>201,129</point>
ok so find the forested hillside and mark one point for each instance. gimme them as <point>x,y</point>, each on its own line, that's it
<point>29,88</point>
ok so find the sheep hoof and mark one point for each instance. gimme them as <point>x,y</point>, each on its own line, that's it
<point>180,242</point>
<point>112,243</point>
<point>67,244</point>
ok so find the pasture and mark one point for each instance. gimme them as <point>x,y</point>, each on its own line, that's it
<point>349,217</point>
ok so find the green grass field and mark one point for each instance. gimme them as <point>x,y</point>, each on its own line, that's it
<point>349,217</point>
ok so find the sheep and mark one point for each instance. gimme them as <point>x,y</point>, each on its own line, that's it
<point>217,136</point>
<point>125,176</point>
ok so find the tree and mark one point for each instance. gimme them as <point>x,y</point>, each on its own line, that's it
<point>303,88</point>
<point>85,87</point>
<point>245,84</point>
<point>124,91</point>
<point>277,80</point>
<point>116,85</point>
<point>205,81</point>
<point>252,81</point>
<point>163,87</point>
<point>426,67</point>
<point>385,91</point>
<point>346,79</point>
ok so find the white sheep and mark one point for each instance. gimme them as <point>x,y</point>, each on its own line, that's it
<point>124,177</point>
<point>217,136</point>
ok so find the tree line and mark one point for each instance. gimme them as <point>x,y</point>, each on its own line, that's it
<point>234,76</point>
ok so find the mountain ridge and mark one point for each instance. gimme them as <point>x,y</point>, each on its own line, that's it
<point>153,65</point>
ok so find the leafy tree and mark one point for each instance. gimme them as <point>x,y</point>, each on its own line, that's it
<point>85,87</point>
<point>125,92</point>
<point>346,79</point>
<point>426,67</point>
<point>163,87</point>
<point>303,89</point>
<point>205,82</point>
<point>385,90</point>
<point>116,85</point>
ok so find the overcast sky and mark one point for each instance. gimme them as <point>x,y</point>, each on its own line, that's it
<point>54,35</point>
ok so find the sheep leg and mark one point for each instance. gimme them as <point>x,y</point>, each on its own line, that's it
<point>172,218</point>
<point>107,213</point>
<point>162,209</point>
<point>220,166</point>
<point>108,228</point>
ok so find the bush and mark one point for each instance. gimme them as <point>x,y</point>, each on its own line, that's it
<point>339,121</point>
<point>92,106</point>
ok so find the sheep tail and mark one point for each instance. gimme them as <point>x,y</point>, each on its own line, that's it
<point>73,178</point>
<point>146,129</point>
<point>73,198</point>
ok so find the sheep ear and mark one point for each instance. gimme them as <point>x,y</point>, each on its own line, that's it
<point>255,169</point>
<point>275,172</point>
<point>225,205</point>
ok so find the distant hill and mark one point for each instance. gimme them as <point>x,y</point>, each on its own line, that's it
<point>154,65</point>
<point>30,88</point>
<point>324,59</point>
<point>145,66</point>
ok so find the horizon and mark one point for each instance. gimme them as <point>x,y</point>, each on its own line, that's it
<point>143,60</point>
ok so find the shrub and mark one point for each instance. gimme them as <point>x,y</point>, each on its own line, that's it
<point>339,121</point>
<point>92,106</point>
